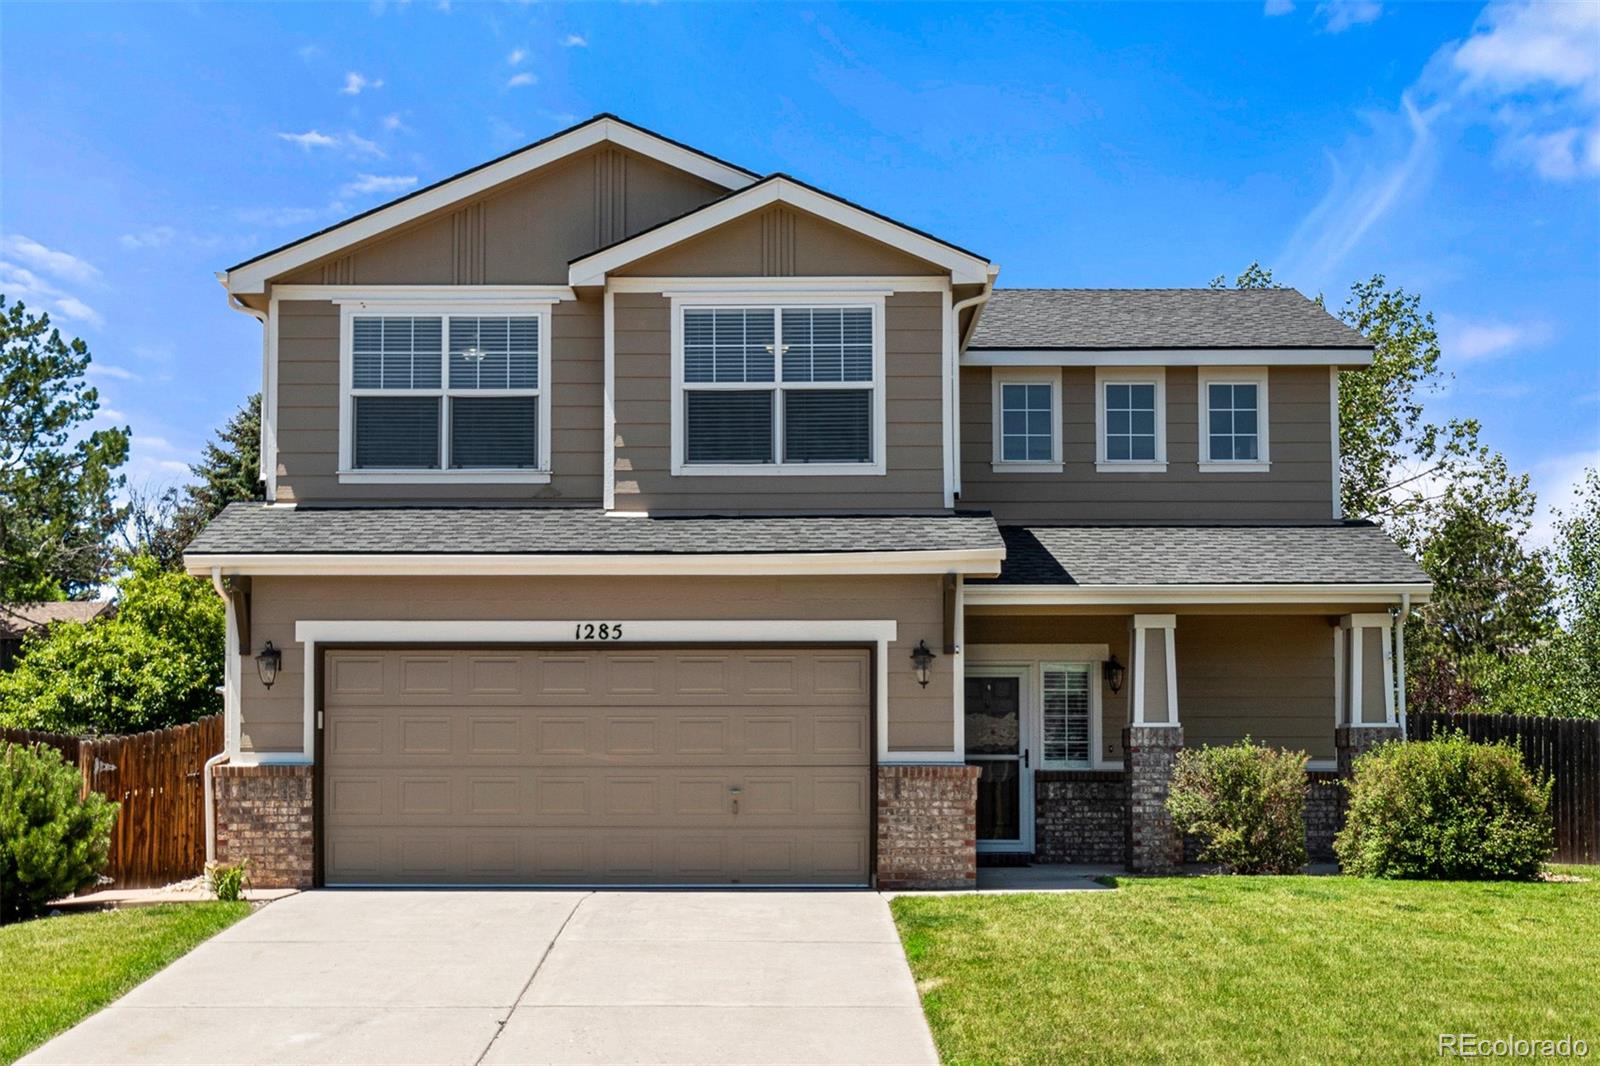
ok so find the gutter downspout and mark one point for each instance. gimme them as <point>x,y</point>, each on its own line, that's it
<point>227,716</point>
<point>1400,662</point>
<point>961,338</point>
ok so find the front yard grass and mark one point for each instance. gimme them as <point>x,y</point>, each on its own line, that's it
<point>56,971</point>
<point>1257,969</point>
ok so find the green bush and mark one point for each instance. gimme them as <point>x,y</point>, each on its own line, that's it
<point>1246,804</point>
<point>228,879</point>
<point>51,842</point>
<point>1447,809</point>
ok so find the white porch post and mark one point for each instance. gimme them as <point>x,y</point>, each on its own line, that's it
<point>1151,744</point>
<point>1154,696</point>
<point>1366,687</point>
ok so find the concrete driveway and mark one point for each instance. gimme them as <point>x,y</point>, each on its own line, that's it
<point>528,977</point>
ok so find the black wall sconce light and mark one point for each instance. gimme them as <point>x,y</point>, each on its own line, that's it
<point>267,662</point>
<point>1114,673</point>
<point>922,658</point>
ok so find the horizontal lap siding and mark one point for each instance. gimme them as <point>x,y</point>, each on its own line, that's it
<point>915,460</point>
<point>308,413</point>
<point>1267,677</point>
<point>919,719</point>
<point>1298,488</point>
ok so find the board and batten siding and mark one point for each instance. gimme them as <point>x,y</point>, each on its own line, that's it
<point>308,414</point>
<point>920,719</point>
<point>1297,489</point>
<point>914,477</point>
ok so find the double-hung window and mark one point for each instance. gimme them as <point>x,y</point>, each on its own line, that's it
<point>1027,420</point>
<point>1233,420</point>
<point>447,396</point>
<point>794,388</point>
<point>1067,740</point>
<point>1131,420</point>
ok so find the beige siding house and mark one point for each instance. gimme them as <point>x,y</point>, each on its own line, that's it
<point>635,518</point>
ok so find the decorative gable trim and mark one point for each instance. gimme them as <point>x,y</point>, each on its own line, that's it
<point>965,268</point>
<point>250,277</point>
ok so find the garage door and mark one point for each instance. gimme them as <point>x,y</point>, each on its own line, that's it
<point>644,766</point>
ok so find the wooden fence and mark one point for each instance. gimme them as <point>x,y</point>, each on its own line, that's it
<point>1568,749</point>
<point>157,777</point>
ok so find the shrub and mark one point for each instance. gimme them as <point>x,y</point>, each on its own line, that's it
<point>51,842</point>
<point>228,879</point>
<point>1246,804</point>
<point>1447,809</point>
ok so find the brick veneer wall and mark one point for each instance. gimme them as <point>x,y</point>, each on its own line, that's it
<point>1352,741</point>
<point>1154,844</point>
<point>927,827</point>
<point>1080,816</point>
<point>1325,796</point>
<point>264,814</point>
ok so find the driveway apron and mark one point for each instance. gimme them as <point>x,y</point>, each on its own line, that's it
<point>493,976</point>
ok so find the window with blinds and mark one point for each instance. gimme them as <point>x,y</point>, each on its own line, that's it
<point>445,392</point>
<point>778,386</point>
<point>1067,736</point>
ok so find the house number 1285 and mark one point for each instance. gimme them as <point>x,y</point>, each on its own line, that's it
<point>598,631</point>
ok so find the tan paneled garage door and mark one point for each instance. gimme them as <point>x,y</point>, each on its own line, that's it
<point>643,766</point>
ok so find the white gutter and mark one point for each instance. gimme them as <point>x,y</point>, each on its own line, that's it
<point>962,338</point>
<point>981,562</point>
<point>228,712</point>
<point>266,447</point>
<point>1128,595</point>
<point>1400,662</point>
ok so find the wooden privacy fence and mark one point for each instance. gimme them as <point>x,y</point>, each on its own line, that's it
<point>157,777</point>
<point>1568,749</point>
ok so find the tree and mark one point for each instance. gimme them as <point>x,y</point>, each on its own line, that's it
<point>58,513</point>
<point>157,663</point>
<point>161,524</point>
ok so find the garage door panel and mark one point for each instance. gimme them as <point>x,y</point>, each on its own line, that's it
<point>597,766</point>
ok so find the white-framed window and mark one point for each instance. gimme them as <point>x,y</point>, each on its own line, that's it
<point>1069,711</point>
<point>764,385</point>
<point>1233,420</point>
<point>1027,420</point>
<point>444,394</point>
<point>1130,419</point>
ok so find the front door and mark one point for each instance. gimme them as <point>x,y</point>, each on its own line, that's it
<point>997,743</point>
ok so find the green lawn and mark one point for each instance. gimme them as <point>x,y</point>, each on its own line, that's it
<point>1279,969</point>
<point>56,971</point>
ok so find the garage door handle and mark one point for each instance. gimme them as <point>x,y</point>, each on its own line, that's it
<point>1024,758</point>
<point>734,792</point>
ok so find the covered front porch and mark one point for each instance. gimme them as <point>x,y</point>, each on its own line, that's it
<point>1077,696</point>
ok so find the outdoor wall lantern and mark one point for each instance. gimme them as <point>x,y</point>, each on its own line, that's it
<point>1114,672</point>
<point>922,662</point>
<point>267,662</point>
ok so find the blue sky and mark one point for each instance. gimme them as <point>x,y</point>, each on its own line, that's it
<point>1453,147</point>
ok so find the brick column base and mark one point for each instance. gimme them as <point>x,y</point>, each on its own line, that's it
<point>927,827</point>
<point>264,814</point>
<point>1352,741</point>
<point>1154,844</point>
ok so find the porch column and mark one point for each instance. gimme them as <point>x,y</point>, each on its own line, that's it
<point>1151,744</point>
<point>1366,687</point>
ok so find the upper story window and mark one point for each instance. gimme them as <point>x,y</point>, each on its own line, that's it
<point>443,397</point>
<point>778,388</point>
<point>1233,420</point>
<point>1027,420</point>
<point>1131,419</point>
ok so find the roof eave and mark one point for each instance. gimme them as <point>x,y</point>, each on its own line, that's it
<point>1385,593</point>
<point>1021,355</point>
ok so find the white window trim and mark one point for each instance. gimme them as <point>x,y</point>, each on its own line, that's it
<point>1035,657</point>
<point>1104,376</point>
<point>1028,721</point>
<point>1096,726</point>
<point>1025,376</point>
<point>349,310</point>
<point>1243,375</point>
<point>878,466</point>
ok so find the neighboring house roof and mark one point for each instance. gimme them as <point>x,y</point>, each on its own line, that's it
<point>591,267</point>
<point>1141,319</point>
<point>17,619</point>
<point>1354,553</point>
<point>251,275</point>
<point>255,529</point>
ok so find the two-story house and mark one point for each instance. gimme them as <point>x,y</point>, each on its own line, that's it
<point>635,518</point>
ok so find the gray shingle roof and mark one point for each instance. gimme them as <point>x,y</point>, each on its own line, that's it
<point>1348,553</point>
<point>1159,318</point>
<point>252,529</point>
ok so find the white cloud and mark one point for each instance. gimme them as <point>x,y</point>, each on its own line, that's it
<point>394,124</point>
<point>1474,342</point>
<point>154,237</point>
<point>110,414</point>
<point>106,370</point>
<point>309,139</point>
<point>1556,480</point>
<point>368,184</point>
<point>517,56</point>
<point>58,264</point>
<point>362,146</point>
<point>278,216</point>
<point>1339,15</point>
<point>504,133</point>
<point>355,83</point>
<point>519,80</point>
<point>22,284</point>
<point>573,40</point>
